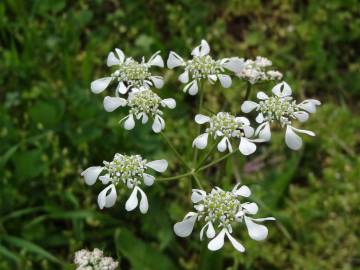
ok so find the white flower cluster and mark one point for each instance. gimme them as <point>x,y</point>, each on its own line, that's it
<point>255,71</point>
<point>203,66</point>
<point>94,260</point>
<point>128,171</point>
<point>281,108</point>
<point>226,126</point>
<point>143,103</point>
<point>129,73</point>
<point>222,209</point>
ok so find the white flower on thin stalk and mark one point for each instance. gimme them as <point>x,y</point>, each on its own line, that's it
<point>282,109</point>
<point>226,126</point>
<point>94,260</point>
<point>128,171</point>
<point>203,66</point>
<point>219,211</point>
<point>256,71</point>
<point>129,73</point>
<point>143,104</point>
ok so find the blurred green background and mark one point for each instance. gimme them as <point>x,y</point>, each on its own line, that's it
<point>52,127</point>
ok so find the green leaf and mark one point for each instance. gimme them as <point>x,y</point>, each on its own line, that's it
<point>31,247</point>
<point>28,164</point>
<point>141,255</point>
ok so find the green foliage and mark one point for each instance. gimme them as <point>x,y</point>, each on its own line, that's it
<point>52,127</point>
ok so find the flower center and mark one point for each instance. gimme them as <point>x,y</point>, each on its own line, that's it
<point>220,207</point>
<point>224,124</point>
<point>126,168</point>
<point>202,66</point>
<point>145,101</point>
<point>133,72</point>
<point>280,109</point>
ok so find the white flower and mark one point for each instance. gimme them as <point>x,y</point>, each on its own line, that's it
<point>129,73</point>
<point>203,66</point>
<point>94,260</point>
<point>255,71</point>
<point>143,103</point>
<point>128,171</point>
<point>281,108</point>
<point>226,126</point>
<point>222,209</point>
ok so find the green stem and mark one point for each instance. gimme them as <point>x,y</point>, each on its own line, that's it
<point>178,155</point>
<point>216,161</point>
<point>197,180</point>
<point>175,177</point>
<point>248,90</point>
<point>207,154</point>
<point>201,100</point>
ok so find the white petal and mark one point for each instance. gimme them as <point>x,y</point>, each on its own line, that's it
<point>129,123</point>
<point>307,132</point>
<point>256,231</point>
<point>112,103</point>
<point>169,102</point>
<point>158,165</point>
<point>210,232</point>
<point>282,90</point>
<point>91,174</point>
<point>263,131</point>
<point>292,140</point>
<point>225,80</point>
<point>212,78</point>
<point>201,141</point>
<point>148,179</point>
<point>144,117</point>
<point>158,81</point>
<point>243,191</point>
<point>120,54</point>
<point>309,105</point>
<point>202,231</point>
<point>197,195</point>
<point>204,48</point>
<point>222,146</point>
<point>158,124</point>
<point>243,120</point>
<point>100,85</point>
<point>239,247</point>
<point>105,199</point>
<point>262,95</point>
<point>185,227</point>
<point>248,131</point>
<point>234,64</point>
<point>121,88</point>
<point>174,60</point>
<point>201,119</point>
<point>263,219</point>
<point>112,60</point>
<point>132,202</point>
<point>246,147</point>
<point>192,87</point>
<point>105,179</point>
<point>184,77</point>
<point>248,106</point>
<point>218,241</point>
<point>259,118</point>
<point>301,116</point>
<point>156,60</point>
<point>144,204</point>
<point>251,208</point>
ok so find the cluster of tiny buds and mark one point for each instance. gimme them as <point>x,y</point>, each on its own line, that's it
<point>225,124</point>
<point>94,260</point>
<point>254,71</point>
<point>200,67</point>
<point>219,207</point>
<point>280,109</point>
<point>132,72</point>
<point>128,169</point>
<point>144,101</point>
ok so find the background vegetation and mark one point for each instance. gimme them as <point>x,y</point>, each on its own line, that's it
<point>52,127</point>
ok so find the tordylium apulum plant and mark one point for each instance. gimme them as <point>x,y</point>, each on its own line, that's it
<point>218,211</point>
